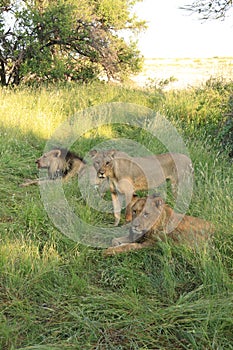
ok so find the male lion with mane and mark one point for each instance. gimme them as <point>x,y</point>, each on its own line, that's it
<point>60,163</point>
<point>128,174</point>
<point>155,221</point>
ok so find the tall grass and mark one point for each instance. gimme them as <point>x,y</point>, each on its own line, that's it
<point>59,294</point>
<point>42,110</point>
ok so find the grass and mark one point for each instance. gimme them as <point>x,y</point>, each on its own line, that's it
<point>185,72</point>
<point>56,293</point>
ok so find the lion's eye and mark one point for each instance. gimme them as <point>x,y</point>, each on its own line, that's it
<point>107,163</point>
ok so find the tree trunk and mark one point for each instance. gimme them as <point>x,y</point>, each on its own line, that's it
<point>2,73</point>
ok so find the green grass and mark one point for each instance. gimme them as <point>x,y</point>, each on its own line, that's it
<point>59,294</point>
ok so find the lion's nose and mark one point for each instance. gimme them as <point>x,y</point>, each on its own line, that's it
<point>135,225</point>
<point>101,173</point>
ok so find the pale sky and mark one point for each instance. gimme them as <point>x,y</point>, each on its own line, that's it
<point>175,33</point>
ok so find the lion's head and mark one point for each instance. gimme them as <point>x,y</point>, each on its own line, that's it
<point>148,214</point>
<point>54,161</point>
<point>103,162</point>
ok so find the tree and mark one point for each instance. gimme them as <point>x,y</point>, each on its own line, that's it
<point>210,9</point>
<point>67,40</point>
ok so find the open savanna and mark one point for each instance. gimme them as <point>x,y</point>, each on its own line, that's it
<point>56,293</point>
<point>185,72</point>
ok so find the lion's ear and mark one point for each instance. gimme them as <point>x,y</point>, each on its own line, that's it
<point>158,202</point>
<point>57,153</point>
<point>93,153</point>
<point>112,153</point>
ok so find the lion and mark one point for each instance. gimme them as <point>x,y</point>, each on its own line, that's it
<point>156,221</point>
<point>63,164</point>
<point>60,163</point>
<point>128,174</point>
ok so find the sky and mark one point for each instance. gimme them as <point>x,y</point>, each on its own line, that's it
<point>173,32</point>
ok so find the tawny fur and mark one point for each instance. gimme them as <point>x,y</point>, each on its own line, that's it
<point>60,163</point>
<point>128,174</point>
<point>63,164</point>
<point>155,221</point>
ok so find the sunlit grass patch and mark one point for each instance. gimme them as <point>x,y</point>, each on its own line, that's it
<point>41,111</point>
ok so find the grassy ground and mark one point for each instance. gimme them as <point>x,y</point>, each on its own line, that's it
<point>59,294</point>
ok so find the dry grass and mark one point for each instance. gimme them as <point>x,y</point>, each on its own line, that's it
<point>186,71</point>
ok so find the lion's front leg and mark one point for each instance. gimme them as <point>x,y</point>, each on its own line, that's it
<point>128,214</point>
<point>121,249</point>
<point>124,248</point>
<point>116,207</point>
<point>29,182</point>
<point>126,188</point>
<point>36,182</point>
<point>129,193</point>
<point>120,240</point>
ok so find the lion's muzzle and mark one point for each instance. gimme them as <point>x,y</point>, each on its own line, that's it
<point>136,234</point>
<point>101,175</point>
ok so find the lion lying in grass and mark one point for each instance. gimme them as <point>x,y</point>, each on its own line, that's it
<point>128,174</point>
<point>59,163</point>
<point>63,164</point>
<point>155,221</point>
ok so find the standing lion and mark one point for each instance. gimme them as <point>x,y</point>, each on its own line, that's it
<point>128,174</point>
